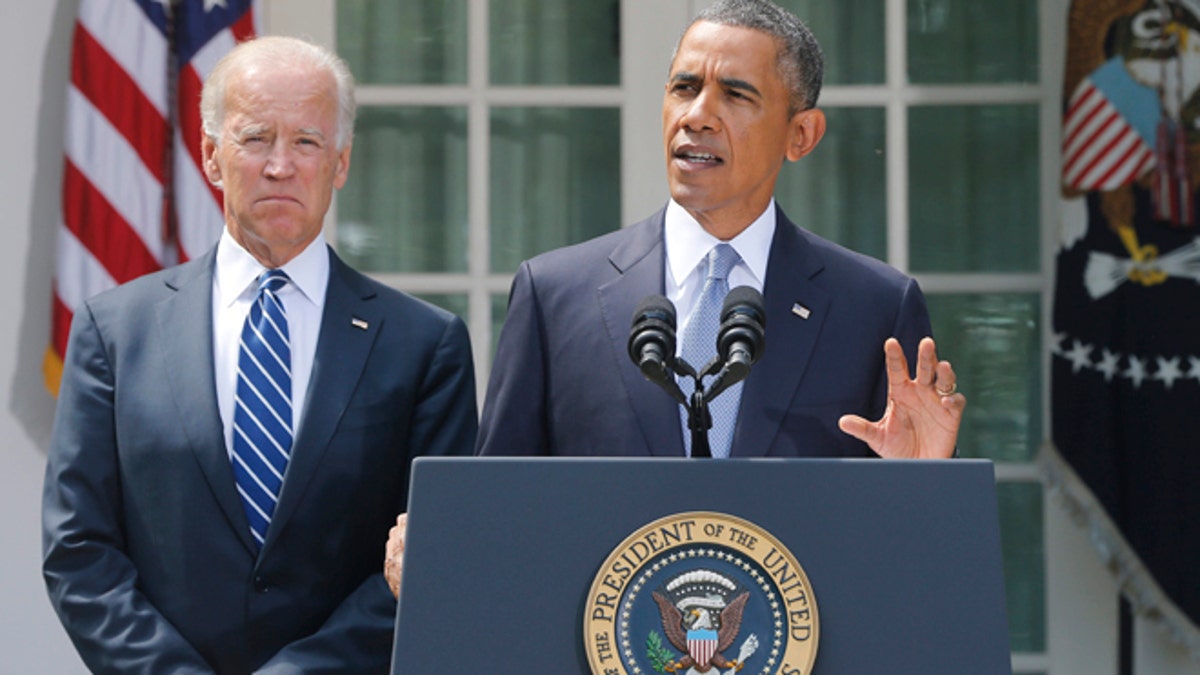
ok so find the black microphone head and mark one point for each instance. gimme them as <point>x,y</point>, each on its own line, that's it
<point>655,307</point>
<point>744,300</point>
<point>652,334</point>
<point>743,322</point>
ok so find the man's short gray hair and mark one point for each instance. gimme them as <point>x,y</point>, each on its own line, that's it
<point>800,61</point>
<point>270,50</point>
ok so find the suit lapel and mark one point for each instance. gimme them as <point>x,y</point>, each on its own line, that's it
<point>639,260</point>
<point>790,339</point>
<point>349,324</point>
<point>185,330</point>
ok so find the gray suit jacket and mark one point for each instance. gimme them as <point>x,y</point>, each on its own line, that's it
<point>563,382</point>
<point>148,557</point>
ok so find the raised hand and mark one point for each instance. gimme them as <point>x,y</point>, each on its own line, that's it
<point>923,414</point>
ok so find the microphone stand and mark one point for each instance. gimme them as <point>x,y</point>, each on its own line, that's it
<point>699,417</point>
<point>699,422</point>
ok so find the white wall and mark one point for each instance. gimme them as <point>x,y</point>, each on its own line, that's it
<point>34,48</point>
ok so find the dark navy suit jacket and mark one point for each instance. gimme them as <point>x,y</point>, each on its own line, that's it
<point>563,382</point>
<point>148,557</point>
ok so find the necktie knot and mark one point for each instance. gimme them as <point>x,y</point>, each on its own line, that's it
<point>272,280</point>
<point>721,259</point>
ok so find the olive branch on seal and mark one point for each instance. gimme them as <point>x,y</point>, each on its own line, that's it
<point>658,655</point>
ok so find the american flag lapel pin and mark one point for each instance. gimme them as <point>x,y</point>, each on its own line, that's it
<point>358,323</point>
<point>801,311</point>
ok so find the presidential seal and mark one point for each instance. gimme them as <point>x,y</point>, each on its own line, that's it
<point>701,592</point>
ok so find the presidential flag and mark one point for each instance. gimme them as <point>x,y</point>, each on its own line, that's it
<point>134,199</point>
<point>1126,352</point>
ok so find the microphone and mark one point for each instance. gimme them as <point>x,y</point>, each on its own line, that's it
<point>740,344</point>
<point>652,342</point>
<point>740,338</point>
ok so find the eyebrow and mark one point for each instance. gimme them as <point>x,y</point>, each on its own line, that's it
<point>250,130</point>
<point>729,82</point>
<point>259,129</point>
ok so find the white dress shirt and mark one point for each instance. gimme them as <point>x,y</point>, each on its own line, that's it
<point>235,284</point>
<point>688,243</point>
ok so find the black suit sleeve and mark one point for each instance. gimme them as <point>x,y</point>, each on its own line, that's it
<point>514,412</point>
<point>446,421</point>
<point>92,583</point>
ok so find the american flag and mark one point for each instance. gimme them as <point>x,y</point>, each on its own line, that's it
<point>134,197</point>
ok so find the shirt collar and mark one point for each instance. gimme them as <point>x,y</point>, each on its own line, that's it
<point>687,242</point>
<point>237,271</point>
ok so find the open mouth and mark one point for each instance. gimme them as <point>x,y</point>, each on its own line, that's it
<point>698,157</point>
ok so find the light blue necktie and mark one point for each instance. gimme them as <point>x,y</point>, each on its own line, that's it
<point>262,416</point>
<point>699,346</point>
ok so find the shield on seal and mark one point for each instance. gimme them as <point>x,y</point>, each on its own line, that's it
<point>702,644</point>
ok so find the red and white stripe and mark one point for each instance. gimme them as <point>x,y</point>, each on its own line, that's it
<point>1172,184</point>
<point>1101,151</point>
<point>702,650</point>
<point>118,154</point>
<point>197,203</point>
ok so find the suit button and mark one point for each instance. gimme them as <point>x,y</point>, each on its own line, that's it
<point>260,584</point>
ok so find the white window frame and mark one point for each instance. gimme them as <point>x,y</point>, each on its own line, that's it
<point>638,98</point>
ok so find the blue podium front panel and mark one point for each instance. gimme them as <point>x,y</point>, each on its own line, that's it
<point>903,558</point>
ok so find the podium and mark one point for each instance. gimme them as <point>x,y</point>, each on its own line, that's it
<point>903,558</point>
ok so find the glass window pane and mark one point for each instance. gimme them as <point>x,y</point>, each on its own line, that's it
<point>839,191</point>
<point>974,186</point>
<point>993,341</point>
<point>972,41</point>
<point>556,179</point>
<point>1020,507</point>
<point>851,33</point>
<point>410,42</point>
<point>404,207</point>
<point>455,303</point>
<point>555,42</point>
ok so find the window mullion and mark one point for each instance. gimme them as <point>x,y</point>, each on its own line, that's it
<point>897,135</point>
<point>479,306</point>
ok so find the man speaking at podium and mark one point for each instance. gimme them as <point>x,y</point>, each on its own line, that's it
<point>841,327</point>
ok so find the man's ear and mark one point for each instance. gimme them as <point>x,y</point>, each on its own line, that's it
<point>342,171</point>
<point>805,130</point>
<point>208,155</point>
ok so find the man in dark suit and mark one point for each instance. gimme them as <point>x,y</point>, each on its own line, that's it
<point>740,100</point>
<point>204,512</point>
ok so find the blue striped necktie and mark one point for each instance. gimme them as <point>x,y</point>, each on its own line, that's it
<point>699,346</point>
<point>262,417</point>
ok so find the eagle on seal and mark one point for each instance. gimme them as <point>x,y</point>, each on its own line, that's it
<point>676,625</point>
